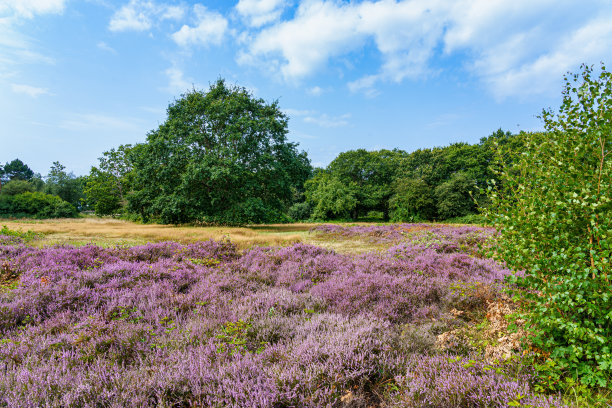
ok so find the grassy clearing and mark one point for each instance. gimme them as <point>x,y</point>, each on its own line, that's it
<point>109,232</point>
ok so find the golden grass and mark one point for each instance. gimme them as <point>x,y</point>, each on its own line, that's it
<point>108,232</point>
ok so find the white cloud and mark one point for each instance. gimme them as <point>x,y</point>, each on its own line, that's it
<point>541,73</point>
<point>366,85</point>
<point>257,13</point>
<point>315,91</point>
<point>29,8</point>
<point>141,15</point>
<point>31,91</point>
<point>298,47</point>
<point>328,121</point>
<point>298,112</point>
<point>515,47</point>
<point>177,84</point>
<point>105,47</point>
<point>210,29</point>
<point>17,49</point>
<point>89,121</point>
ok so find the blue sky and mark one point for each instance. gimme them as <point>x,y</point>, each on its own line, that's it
<point>78,77</point>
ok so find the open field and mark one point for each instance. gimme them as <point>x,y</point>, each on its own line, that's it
<point>408,315</point>
<point>108,232</point>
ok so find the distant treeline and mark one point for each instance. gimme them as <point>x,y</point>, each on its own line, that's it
<point>24,193</point>
<point>428,184</point>
<point>223,157</point>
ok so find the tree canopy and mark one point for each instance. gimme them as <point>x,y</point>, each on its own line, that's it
<point>15,170</point>
<point>221,156</point>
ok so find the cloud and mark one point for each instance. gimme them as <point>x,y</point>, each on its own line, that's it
<point>366,85</point>
<point>90,121</point>
<point>298,112</point>
<point>506,76</point>
<point>315,91</point>
<point>29,8</point>
<point>298,47</point>
<point>513,47</point>
<point>141,15</point>
<point>16,48</point>
<point>210,29</point>
<point>328,121</point>
<point>177,84</point>
<point>105,47</point>
<point>257,13</point>
<point>31,91</point>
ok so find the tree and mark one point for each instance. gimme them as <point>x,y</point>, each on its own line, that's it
<point>413,200</point>
<point>107,185</point>
<point>221,156</point>
<point>102,193</point>
<point>64,185</point>
<point>330,197</point>
<point>16,170</point>
<point>553,210</point>
<point>453,197</point>
<point>369,175</point>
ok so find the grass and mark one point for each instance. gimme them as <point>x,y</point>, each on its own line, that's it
<point>109,232</point>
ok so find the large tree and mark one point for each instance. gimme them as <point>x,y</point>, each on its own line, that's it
<point>221,156</point>
<point>15,170</point>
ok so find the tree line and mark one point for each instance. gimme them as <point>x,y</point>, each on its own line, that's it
<point>223,157</point>
<point>24,193</point>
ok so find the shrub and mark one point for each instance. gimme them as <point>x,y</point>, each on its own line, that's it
<point>15,187</point>
<point>553,211</point>
<point>35,205</point>
<point>300,211</point>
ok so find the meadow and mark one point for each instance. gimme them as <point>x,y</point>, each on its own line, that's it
<point>406,315</point>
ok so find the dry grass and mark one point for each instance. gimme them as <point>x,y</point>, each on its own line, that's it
<point>108,232</point>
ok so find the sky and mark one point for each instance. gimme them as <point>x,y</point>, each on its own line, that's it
<point>79,77</point>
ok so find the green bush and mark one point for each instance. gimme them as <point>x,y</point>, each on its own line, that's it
<point>300,211</point>
<point>15,187</point>
<point>553,210</point>
<point>35,205</point>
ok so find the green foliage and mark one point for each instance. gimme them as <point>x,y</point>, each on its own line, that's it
<point>15,187</point>
<point>25,235</point>
<point>64,185</point>
<point>330,197</point>
<point>423,185</point>
<point>300,211</point>
<point>454,197</point>
<point>236,337</point>
<point>221,156</point>
<point>413,201</point>
<point>369,175</point>
<point>553,209</point>
<point>15,170</point>
<point>35,205</point>
<point>102,193</point>
<point>107,185</point>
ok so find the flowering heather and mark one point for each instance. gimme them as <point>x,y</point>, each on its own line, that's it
<point>203,325</point>
<point>442,238</point>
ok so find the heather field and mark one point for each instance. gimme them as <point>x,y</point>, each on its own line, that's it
<point>405,315</point>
